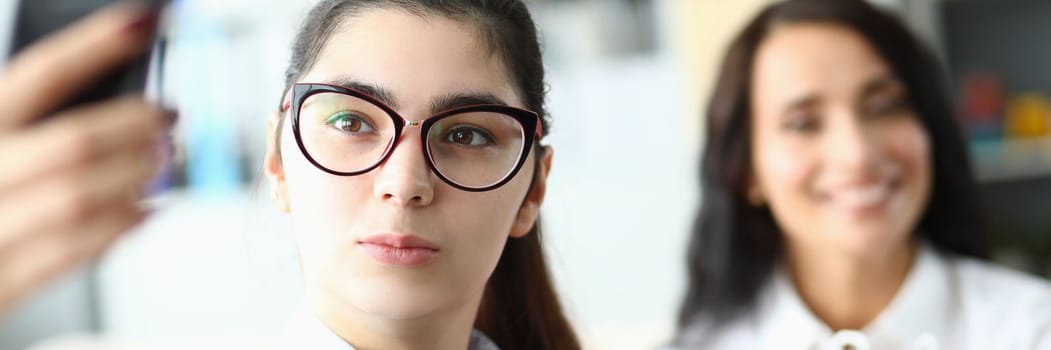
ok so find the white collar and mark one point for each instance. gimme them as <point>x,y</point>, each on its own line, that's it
<point>919,311</point>
<point>305,331</point>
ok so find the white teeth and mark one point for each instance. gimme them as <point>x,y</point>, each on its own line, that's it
<point>862,197</point>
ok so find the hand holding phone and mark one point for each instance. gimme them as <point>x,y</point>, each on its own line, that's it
<point>70,182</point>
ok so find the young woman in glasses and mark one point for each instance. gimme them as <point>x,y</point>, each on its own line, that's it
<point>407,152</point>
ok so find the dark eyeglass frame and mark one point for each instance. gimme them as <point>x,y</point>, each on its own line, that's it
<point>299,92</point>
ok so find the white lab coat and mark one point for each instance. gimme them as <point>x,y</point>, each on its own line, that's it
<point>947,302</point>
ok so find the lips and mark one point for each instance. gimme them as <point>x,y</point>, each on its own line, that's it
<point>399,250</point>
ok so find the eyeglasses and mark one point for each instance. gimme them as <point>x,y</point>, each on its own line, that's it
<point>347,132</point>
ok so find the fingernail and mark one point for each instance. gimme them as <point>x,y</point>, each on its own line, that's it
<point>144,20</point>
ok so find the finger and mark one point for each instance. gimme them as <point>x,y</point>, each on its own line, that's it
<point>45,75</point>
<point>77,138</point>
<point>64,201</point>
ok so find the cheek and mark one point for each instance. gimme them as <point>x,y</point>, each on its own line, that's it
<point>783,170</point>
<point>321,204</point>
<point>480,222</point>
<point>489,213</point>
<point>476,229</point>
<point>909,146</point>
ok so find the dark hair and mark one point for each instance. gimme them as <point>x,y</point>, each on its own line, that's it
<point>519,309</point>
<point>735,245</point>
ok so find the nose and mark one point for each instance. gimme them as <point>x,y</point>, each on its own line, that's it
<point>404,178</point>
<point>852,144</point>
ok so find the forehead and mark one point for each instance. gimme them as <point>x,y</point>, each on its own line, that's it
<point>815,57</point>
<point>417,57</point>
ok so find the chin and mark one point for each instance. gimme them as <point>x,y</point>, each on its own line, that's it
<point>872,241</point>
<point>394,300</point>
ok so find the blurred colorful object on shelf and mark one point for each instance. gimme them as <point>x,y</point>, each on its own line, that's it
<point>982,104</point>
<point>1028,116</point>
<point>982,97</point>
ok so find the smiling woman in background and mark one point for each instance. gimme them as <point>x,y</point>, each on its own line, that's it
<point>839,205</point>
<point>407,151</point>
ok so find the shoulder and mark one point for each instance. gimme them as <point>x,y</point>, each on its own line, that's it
<point>984,283</point>
<point>1002,301</point>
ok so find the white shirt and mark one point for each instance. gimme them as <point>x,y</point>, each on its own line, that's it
<point>946,302</point>
<point>305,331</point>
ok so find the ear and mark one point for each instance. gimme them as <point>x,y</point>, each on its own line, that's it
<point>530,209</point>
<point>272,166</point>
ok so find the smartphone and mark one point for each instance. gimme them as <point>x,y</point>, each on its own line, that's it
<point>39,18</point>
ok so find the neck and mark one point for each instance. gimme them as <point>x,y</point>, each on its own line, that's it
<point>846,291</point>
<point>448,329</point>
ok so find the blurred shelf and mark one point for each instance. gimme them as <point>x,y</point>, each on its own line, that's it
<point>1010,160</point>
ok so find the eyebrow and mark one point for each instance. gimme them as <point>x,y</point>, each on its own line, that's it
<point>801,102</point>
<point>880,84</point>
<point>372,90</point>
<point>438,104</point>
<point>457,100</point>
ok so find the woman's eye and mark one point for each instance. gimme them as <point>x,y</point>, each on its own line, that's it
<point>350,123</point>
<point>885,106</point>
<point>801,125</point>
<point>468,136</point>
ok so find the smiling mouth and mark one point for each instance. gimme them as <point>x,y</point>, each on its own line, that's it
<point>864,200</point>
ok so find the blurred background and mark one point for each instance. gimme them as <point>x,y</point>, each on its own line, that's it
<point>217,261</point>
